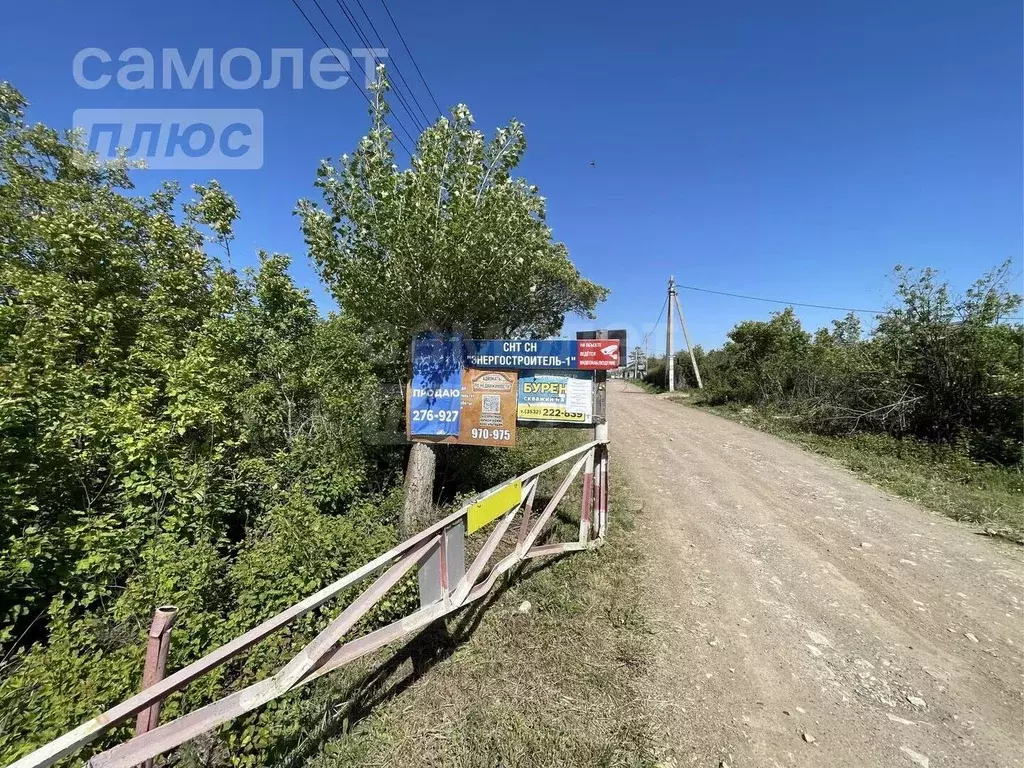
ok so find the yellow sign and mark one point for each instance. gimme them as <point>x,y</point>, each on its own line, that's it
<point>494,506</point>
<point>549,396</point>
<point>544,387</point>
<point>550,413</point>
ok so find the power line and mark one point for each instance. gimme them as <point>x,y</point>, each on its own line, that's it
<point>362,93</point>
<point>779,301</point>
<point>398,71</point>
<point>419,126</point>
<point>326,45</point>
<point>656,324</point>
<point>797,303</point>
<point>411,57</point>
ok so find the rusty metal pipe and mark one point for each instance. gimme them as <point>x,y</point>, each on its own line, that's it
<point>158,646</point>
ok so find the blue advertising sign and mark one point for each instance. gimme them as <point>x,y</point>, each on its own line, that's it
<point>519,353</point>
<point>435,396</point>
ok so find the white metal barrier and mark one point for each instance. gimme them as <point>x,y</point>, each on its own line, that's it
<point>445,586</point>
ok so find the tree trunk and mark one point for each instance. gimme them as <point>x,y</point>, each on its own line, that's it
<point>419,487</point>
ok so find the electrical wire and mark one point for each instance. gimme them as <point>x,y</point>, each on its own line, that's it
<point>656,323</point>
<point>779,301</point>
<point>411,57</point>
<point>398,71</point>
<point>417,124</point>
<point>799,304</point>
<point>312,26</point>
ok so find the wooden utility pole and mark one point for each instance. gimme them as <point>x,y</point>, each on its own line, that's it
<point>689,346</point>
<point>670,362</point>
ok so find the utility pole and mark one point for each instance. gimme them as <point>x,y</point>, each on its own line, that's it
<point>689,346</point>
<point>670,362</point>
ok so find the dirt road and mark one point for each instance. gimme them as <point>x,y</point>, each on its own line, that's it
<point>806,618</point>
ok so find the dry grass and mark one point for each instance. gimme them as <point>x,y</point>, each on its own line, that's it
<point>559,685</point>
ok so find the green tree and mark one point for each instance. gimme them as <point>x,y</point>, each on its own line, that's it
<point>637,361</point>
<point>454,243</point>
<point>957,360</point>
<point>941,367</point>
<point>171,431</point>
<point>767,359</point>
<point>685,375</point>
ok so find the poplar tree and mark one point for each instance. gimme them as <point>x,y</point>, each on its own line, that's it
<point>453,243</point>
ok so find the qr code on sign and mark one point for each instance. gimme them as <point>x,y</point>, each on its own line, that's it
<point>491,404</point>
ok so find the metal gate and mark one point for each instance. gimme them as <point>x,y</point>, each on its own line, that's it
<point>446,585</point>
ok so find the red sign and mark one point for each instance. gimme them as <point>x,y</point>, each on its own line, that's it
<point>598,354</point>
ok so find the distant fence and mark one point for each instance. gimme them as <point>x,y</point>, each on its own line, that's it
<point>445,585</point>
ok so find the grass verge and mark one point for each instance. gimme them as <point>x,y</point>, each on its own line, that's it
<point>653,389</point>
<point>935,477</point>
<point>557,684</point>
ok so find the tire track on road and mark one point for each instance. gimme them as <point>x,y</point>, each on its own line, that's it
<point>806,618</point>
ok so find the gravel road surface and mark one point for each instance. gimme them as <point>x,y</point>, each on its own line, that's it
<point>805,618</point>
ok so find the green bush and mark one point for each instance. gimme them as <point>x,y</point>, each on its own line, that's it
<point>175,432</point>
<point>171,432</point>
<point>941,368</point>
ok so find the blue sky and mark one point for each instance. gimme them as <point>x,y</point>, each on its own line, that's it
<point>793,150</point>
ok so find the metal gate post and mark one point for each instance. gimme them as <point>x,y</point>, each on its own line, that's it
<point>587,502</point>
<point>444,566</point>
<point>600,490</point>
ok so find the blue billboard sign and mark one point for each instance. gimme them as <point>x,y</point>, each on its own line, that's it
<point>520,353</point>
<point>435,398</point>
